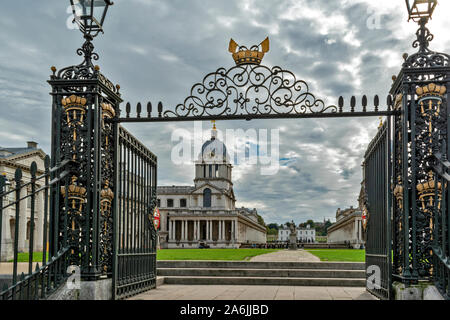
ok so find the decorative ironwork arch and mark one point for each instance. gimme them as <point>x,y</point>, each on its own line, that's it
<point>250,90</point>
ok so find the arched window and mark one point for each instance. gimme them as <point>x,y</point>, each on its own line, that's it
<point>207,198</point>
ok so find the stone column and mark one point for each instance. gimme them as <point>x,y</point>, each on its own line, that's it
<point>210,229</point>
<point>233,235</point>
<point>220,230</point>
<point>174,228</point>
<point>197,230</point>
<point>6,250</point>
<point>40,222</point>
<point>170,229</point>
<point>22,221</point>
<point>182,230</point>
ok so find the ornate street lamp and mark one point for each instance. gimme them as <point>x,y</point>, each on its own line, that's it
<point>90,15</point>
<point>420,9</point>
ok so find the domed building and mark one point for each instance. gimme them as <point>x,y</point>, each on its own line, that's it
<point>205,214</point>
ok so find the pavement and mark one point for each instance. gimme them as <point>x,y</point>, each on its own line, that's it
<point>299,255</point>
<point>7,267</point>
<point>258,292</point>
<point>229,292</point>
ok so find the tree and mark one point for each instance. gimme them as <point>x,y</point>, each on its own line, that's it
<point>261,220</point>
<point>273,226</point>
<point>311,223</point>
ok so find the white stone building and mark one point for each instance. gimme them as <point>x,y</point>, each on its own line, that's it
<point>10,160</point>
<point>205,214</point>
<point>306,235</point>
<point>348,228</point>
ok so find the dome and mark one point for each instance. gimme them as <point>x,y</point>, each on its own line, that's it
<point>214,150</point>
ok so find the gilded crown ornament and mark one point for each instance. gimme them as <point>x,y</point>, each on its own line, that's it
<point>426,191</point>
<point>398,101</point>
<point>254,55</point>
<point>108,111</point>
<point>431,90</point>
<point>107,194</point>
<point>75,108</point>
<point>75,194</point>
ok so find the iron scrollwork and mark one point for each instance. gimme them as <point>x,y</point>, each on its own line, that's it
<point>250,90</point>
<point>425,58</point>
<point>431,128</point>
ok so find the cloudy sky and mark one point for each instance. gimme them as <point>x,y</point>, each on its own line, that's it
<point>157,49</point>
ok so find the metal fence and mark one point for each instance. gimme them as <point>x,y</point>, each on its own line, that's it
<point>136,236</point>
<point>441,228</point>
<point>36,281</point>
<point>377,175</point>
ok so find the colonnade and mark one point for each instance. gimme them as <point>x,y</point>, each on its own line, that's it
<point>211,231</point>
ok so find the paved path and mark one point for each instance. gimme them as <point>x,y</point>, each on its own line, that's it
<point>7,267</point>
<point>228,292</point>
<point>287,256</point>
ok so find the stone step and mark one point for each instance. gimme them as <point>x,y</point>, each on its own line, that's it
<point>261,265</point>
<point>269,281</point>
<point>282,273</point>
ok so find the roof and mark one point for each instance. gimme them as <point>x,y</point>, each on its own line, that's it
<point>214,149</point>
<point>182,190</point>
<point>8,152</point>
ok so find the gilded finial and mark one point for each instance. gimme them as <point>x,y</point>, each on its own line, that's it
<point>214,124</point>
<point>381,123</point>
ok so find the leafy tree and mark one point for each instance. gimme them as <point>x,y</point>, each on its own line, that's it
<point>273,226</point>
<point>261,220</point>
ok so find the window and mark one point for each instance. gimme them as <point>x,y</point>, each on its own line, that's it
<point>169,203</point>
<point>210,171</point>
<point>207,198</point>
<point>204,171</point>
<point>216,173</point>
<point>158,202</point>
<point>183,203</point>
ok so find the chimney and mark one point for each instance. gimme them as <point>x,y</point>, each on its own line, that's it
<point>32,145</point>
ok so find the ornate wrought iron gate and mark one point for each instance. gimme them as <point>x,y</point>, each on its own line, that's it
<point>377,207</point>
<point>135,243</point>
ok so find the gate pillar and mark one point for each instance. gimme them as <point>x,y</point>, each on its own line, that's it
<point>419,135</point>
<point>83,99</point>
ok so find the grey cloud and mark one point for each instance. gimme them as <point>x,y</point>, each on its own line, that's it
<point>156,50</point>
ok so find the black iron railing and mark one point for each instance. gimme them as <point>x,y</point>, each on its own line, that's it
<point>136,236</point>
<point>441,227</point>
<point>377,206</point>
<point>38,282</point>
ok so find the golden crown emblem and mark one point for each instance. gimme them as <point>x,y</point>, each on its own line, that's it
<point>254,55</point>
<point>108,110</point>
<point>74,192</point>
<point>431,90</point>
<point>106,194</point>
<point>74,103</point>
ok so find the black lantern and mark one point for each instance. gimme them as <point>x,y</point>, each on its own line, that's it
<point>420,9</point>
<point>90,15</point>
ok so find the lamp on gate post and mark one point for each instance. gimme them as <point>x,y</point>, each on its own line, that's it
<point>420,9</point>
<point>90,15</point>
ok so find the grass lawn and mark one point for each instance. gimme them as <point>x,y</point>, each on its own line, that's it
<point>211,254</point>
<point>24,256</point>
<point>349,255</point>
